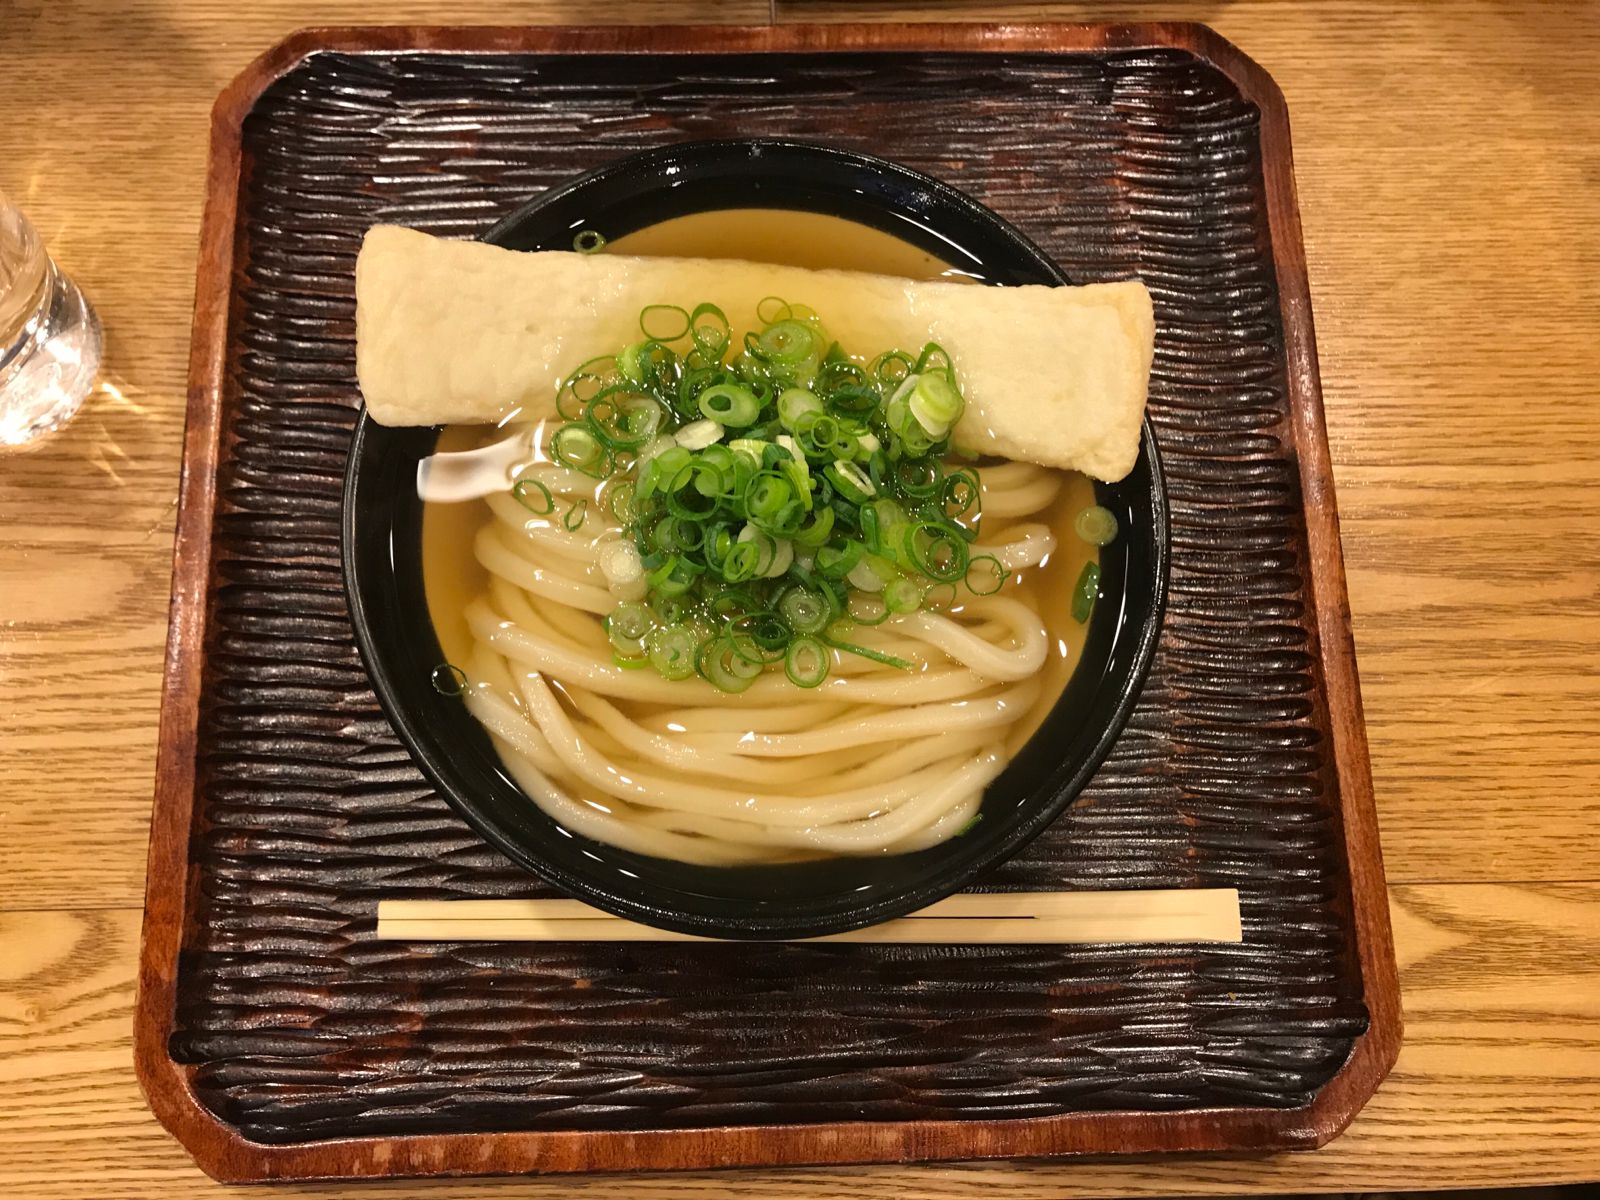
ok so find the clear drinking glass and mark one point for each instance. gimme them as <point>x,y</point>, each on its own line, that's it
<point>49,336</point>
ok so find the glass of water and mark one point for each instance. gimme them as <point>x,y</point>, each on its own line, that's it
<point>49,336</point>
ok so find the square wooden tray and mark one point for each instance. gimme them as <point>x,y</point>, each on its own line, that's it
<point>276,1038</point>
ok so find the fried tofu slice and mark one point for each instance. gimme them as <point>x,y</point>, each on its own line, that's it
<point>454,332</point>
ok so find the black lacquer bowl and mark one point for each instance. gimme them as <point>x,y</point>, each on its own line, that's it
<point>383,574</point>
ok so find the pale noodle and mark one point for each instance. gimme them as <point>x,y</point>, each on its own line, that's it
<point>876,760</point>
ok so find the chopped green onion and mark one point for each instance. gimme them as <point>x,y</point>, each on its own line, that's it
<point>1096,525</point>
<point>767,494</point>
<point>622,418</point>
<point>628,647</point>
<point>1085,592</point>
<point>867,608</point>
<point>935,403</point>
<point>960,493</point>
<point>853,398</point>
<point>932,358</point>
<point>902,596</point>
<point>573,521</point>
<point>815,532</point>
<point>878,656</point>
<point>697,435</point>
<point>795,403</point>
<point>788,342</point>
<point>852,482</point>
<point>709,326</point>
<point>805,611</point>
<point>890,368</point>
<point>663,322</point>
<point>823,432</point>
<point>936,550</point>
<point>986,575</point>
<point>726,669</point>
<point>576,446</point>
<point>918,478</point>
<point>631,361</point>
<point>731,603</point>
<point>534,496</point>
<point>669,609</point>
<point>679,533</point>
<point>672,650</point>
<point>589,242</point>
<point>838,559</point>
<point>691,503</point>
<point>760,636</point>
<point>743,562</point>
<point>730,404</point>
<point>765,544</point>
<point>887,512</point>
<point>806,662</point>
<point>632,620</point>
<point>448,679</point>
<point>872,573</point>
<point>620,500</point>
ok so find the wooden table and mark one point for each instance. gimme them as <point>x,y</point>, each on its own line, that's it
<point>1453,246</point>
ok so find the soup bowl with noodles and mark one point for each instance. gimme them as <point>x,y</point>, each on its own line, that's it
<point>764,811</point>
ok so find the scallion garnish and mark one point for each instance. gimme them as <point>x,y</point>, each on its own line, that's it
<point>773,492</point>
<point>579,447</point>
<point>730,404</point>
<point>935,403</point>
<point>805,611</point>
<point>664,322</point>
<point>672,650</point>
<point>868,608</point>
<point>1085,592</point>
<point>449,679</point>
<point>805,662</point>
<point>986,575</point>
<point>534,496</point>
<point>720,662</point>
<point>1096,525</point>
<point>888,660</point>
<point>902,595</point>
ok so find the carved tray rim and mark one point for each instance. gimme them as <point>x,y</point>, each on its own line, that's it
<point>224,1154</point>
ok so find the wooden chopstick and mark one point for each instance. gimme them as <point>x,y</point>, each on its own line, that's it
<point>996,918</point>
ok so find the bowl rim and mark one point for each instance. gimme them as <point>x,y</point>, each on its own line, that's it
<point>885,903</point>
<point>753,148</point>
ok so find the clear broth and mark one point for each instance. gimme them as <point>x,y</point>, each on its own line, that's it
<point>452,576</point>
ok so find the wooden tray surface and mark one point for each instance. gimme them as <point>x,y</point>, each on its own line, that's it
<point>277,1038</point>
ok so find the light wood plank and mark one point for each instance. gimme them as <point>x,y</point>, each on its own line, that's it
<point>1498,1081</point>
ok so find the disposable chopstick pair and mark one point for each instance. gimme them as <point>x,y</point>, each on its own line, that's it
<point>995,918</point>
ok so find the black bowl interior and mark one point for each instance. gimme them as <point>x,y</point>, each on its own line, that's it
<point>382,554</point>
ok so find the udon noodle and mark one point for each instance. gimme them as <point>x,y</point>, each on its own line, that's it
<point>876,760</point>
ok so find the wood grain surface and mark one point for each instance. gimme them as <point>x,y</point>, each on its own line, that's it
<point>1453,247</point>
